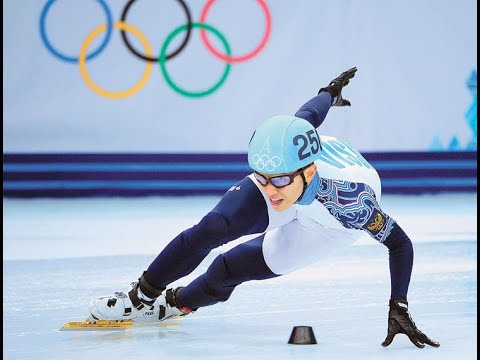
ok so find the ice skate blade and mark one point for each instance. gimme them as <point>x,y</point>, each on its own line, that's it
<point>97,325</point>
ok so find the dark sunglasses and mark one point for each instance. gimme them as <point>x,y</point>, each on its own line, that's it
<point>278,181</point>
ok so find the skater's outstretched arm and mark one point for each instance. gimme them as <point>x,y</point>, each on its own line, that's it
<point>315,110</point>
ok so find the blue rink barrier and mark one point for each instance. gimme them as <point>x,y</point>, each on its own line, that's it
<point>79,175</point>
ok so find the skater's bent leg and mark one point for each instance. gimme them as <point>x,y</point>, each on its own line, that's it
<point>242,263</point>
<point>183,254</point>
<point>241,211</point>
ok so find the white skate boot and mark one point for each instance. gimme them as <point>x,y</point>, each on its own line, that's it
<point>121,306</point>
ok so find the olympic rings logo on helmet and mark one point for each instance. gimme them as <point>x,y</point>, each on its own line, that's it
<point>265,162</point>
<point>163,57</point>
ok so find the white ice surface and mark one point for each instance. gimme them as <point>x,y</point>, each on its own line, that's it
<point>58,254</point>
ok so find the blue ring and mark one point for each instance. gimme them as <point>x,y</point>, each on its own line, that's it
<point>71,59</point>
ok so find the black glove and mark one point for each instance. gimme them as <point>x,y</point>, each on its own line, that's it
<point>336,85</point>
<point>400,322</point>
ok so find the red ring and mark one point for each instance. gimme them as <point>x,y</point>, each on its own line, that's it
<point>242,58</point>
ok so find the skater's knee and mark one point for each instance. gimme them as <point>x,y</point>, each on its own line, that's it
<point>218,281</point>
<point>210,232</point>
<point>213,225</point>
<point>217,272</point>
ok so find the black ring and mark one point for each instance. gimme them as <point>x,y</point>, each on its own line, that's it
<point>173,54</point>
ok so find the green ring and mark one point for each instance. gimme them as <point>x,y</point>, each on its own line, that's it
<point>162,59</point>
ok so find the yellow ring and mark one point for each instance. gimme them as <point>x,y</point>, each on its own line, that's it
<point>83,54</point>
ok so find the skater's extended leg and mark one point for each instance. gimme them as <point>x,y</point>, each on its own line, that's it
<point>241,211</point>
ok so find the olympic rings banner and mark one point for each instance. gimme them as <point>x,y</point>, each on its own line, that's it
<point>198,76</point>
<point>185,30</point>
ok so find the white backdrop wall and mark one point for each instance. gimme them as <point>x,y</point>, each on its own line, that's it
<point>413,58</point>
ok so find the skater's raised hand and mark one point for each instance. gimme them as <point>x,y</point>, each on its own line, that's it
<point>336,85</point>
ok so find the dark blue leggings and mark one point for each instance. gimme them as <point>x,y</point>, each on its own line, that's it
<point>241,211</point>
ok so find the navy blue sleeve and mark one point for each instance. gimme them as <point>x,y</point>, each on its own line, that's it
<point>401,261</point>
<point>315,110</point>
<point>369,217</point>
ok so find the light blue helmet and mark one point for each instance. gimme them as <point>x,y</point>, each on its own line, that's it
<point>283,144</point>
